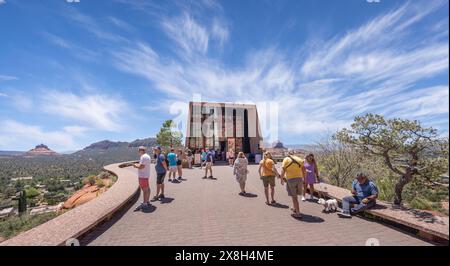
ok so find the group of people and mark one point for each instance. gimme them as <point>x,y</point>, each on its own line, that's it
<point>300,174</point>
<point>296,173</point>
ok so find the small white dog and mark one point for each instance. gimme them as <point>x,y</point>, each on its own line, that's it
<point>330,205</point>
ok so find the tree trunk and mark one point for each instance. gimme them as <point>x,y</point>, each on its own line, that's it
<point>404,179</point>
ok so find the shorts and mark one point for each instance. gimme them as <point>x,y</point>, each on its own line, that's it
<point>208,164</point>
<point>268,180</point>
<point>179,162</point>
<point>143,183</point>
<point>160,178</point>
<point>173,169</point>
<point>294,186</point>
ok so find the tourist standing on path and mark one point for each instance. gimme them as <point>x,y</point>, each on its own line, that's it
<point>312,176</point>
<point>365,194</point>
<point>180,164</point>
<point>208,165</point>
<point>203,158</point>
<point>267,172</point>
<point>172,158</point>
<point>143,176</point>
<point>293,172</point>
<point>240,171</point>
<point>190,158</point>
<point>161,170</point>
<point>230,156</point>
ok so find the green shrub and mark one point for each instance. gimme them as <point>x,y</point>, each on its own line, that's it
<point>99,183</point>
<point>14,225</point>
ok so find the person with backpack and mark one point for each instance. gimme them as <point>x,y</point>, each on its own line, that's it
<point>208,164</point>
<point>267,172</point>
<point>293,172</point>
<point>161,170</point>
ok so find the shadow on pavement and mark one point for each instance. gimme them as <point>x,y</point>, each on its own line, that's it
<point>279,205</point>
<point>105,225</point>
<point>166,200</point>
<point>310,219</point>
<point>148,209</point>
<point>249,195</point>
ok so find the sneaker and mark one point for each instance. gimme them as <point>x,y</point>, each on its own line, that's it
<point>344,215</point>
<point>140,207</point>
<point>155,198</point>
<point>179,178</point>
<point>296,215</point>
<point>303,198</point>
<point>169,180</point>
<point>210,177</point>
<point>241,193</point>
<point>161,196</point>
<point>204,177</point>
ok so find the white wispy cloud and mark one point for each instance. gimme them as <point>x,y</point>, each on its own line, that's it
<point>98,111</point>
<point>368,69</point>
<point>16,134</point>
<point>7,77</point>
<point>2,2</point>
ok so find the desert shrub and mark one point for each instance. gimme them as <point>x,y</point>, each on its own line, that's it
<point>32,192</point>
<point>90,180</point>
<point>99,183</point>
<point>14,225</point>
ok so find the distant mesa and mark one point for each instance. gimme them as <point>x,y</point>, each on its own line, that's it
<point>41,149</point>
<point>107,144</point>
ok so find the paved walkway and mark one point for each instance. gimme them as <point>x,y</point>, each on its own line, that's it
<point>210,212</point>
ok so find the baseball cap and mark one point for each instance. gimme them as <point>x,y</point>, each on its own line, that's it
<point>142,148</point>
<point>157,148</point>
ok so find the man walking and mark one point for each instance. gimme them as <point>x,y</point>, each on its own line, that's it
<point>293,172</point>
<point>161,170</point>
<point>208,165</point>
<point>143,176</point>
<point>365,193</point>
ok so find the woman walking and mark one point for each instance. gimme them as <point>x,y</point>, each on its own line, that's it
<point>267,171</point>
<point>180,164</point>
<point>230,156</point>
<point>240,171</point>
<point>312,176</point>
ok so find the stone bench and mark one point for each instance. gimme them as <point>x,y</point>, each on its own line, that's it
<point>428,225</point>
<point>78,221</point>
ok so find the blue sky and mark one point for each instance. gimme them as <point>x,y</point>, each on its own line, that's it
<point>75,73</point>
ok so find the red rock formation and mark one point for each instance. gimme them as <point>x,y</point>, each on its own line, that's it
<point>41,150</point>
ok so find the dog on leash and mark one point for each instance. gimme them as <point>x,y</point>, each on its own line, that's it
<point>330,205</point>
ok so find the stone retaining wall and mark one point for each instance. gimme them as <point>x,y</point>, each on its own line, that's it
<point>81,219</point>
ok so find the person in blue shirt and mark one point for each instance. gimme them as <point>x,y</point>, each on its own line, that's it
<point>161,170</point>
<point>208,165</point>
<point>365,193</point>
<point>173,168</point>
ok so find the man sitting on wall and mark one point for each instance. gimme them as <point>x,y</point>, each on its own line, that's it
<point>365,193</point>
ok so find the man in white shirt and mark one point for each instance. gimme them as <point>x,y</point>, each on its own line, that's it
<point>143,175</point>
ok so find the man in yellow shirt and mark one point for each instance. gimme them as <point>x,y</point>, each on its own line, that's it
<point>267,172</point>
<point>293,172</point>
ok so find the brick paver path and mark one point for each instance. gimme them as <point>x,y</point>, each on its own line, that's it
<point>210,212</point>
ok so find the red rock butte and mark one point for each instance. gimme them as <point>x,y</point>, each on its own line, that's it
<point>41,150</point>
